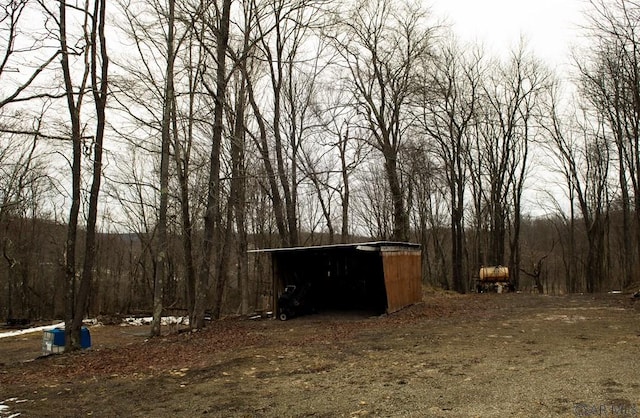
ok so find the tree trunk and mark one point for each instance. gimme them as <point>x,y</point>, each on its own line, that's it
<point>100,100</point>
<point>263,148</point>
<point>627,256</point>
<point>182,160</point>
<point>346,194</point>
<point>400,217</point>
<point>74,210</point>
<point>212,212</point>
<point>457,250</point>
<point>238,197</point>
<point>182,157</point>
<point>160,276</point>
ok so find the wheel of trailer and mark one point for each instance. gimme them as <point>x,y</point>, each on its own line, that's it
<point>283,316</point>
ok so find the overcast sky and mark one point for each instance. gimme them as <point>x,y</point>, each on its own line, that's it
<point>549,25</point>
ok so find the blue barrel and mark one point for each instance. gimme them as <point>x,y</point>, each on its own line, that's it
<point>85,337</point>
<point>58,336</point>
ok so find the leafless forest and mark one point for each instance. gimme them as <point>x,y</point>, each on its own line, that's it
<point>146,145</point>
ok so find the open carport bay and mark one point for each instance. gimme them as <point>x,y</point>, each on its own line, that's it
<point>375,276</point>
<point>336,280</point>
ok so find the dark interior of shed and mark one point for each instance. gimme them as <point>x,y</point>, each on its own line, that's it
<point>336,278</point>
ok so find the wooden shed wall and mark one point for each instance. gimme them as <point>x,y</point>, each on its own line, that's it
<point>402,278</point>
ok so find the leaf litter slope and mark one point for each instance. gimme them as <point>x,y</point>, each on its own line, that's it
<point>452,355</point>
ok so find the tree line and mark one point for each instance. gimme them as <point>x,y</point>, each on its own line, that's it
<point>166,139</point>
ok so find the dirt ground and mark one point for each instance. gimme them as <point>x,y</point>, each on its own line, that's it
<point>451,356</point>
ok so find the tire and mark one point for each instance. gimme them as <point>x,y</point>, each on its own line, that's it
<point>283,316</point>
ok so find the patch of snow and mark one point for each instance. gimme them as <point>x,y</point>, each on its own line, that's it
<point>166,320</point>
<point>5,410</point>
<point>30,330</point>
<point>130,321</point>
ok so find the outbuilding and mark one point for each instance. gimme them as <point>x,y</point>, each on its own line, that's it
<point>377,276</point>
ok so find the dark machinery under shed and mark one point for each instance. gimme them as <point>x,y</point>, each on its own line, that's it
<point>372,276</point>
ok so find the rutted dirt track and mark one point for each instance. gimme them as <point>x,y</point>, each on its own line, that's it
<point>451,356</point>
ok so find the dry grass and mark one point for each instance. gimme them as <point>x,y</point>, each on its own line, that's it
<point>451,356</point>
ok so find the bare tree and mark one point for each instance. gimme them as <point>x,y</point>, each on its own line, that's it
<point>99,78</point>
<point>17,52</point>
<point>343,150</point>
<point>583,154</point>
<point>381,43</point>
<point>238,194</point>
<point>513,95</point>
<point>75,96</point>
<point>373,212</point>
<point>537,269</point>
<point>610,82</point>
<point>135,190</point>
<point>93,77</point>
<point>168,110</point>
<point>431,205</point>
<point>448,100</point>
<point>23,188</point>
<point>16,172</point>
<point>183,151</point>
<point>212,211</point>
<point>280,61</point>
<point>159,94</point>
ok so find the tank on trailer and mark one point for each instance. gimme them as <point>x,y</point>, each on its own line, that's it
<point>493,279</point>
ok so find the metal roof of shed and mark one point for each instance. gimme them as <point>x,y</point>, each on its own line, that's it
<point>358,246</point>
